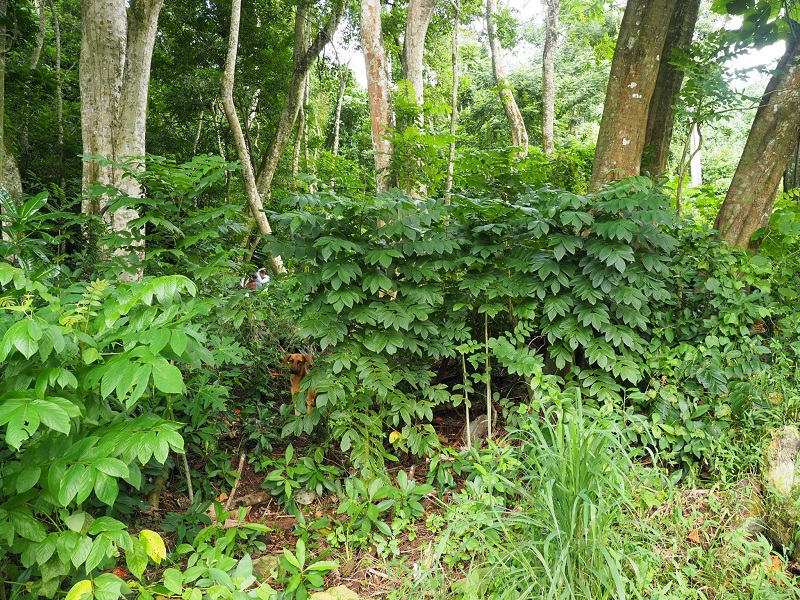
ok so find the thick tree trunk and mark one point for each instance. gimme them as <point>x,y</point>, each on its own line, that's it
<point>378,89</point>
<point>226,88</point>
<point>305,54</point>
<point>548,76</point>
<point>634,71</point>
<point>419,17</point>
<point>10,179</point>
<point>769,147</point>
<point>791,176</point>
<point>519,135</point>
<point>116,51</point>
<point>661,117</point>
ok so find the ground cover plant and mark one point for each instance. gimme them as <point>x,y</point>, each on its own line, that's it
<point>628,358</point>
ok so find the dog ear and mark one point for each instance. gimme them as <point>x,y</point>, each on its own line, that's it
<point>309,360</point>
<point>288,358</point>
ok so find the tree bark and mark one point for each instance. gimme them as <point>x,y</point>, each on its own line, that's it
<point>37,49</point>
<point>769,147</point>
<point>116,52</point>
<point>419,17</point>
<point>226,88</point>
<point>519,134</point>
<point>451,160</point>
<point>661,115</point>
<point>634,71</point>
<point>548,76</point>
<point>304,55</point>
<point>62,159</point>
<point>791,176</point>
<point>10,179</point>
<point>378,90</point>
<point>344,75</point>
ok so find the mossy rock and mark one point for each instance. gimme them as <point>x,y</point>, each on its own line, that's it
<point>782,490</point>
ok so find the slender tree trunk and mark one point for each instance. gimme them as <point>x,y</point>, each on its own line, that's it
<point>451,160</point>
<point>634,70</point>
<point>304,56</point>
<point>344,75</point>
<point>37,49</point>
<point>226,87</point>
<point>298,145</point>
<point>769,147</point>
<point>519,135</point>
<point>548,76</point>
<point>62,159</point>
<point>378,89</point>
<point>661,116</point>
<point>197,132</point>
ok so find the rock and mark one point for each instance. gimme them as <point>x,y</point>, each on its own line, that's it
<point>340,592</point>
<point>782,489</point>
<point>305,497</point>
<point>267,567</point>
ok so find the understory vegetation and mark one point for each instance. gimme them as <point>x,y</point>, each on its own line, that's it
<point>628,365</point>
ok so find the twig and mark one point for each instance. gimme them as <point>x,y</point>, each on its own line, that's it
<point>466,400</point>
<point>242,457</point>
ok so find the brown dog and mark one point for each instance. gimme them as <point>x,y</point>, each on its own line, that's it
<point>299,364</point>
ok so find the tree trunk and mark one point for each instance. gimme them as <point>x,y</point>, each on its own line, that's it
<point>769,147</point>
<point>791,176</point>
<point>634,71</point>
<point>419,17</point>
<point>10,179</point>
<point>304,56</point>
<point>519,135</point>
<point>226,88</point>
<point>378,89</point>
<point>344,75</point>
<point>116,51</point>
<point>451,160</point>
<point>62,159</point>
<point>37,49</point>
<point>548,76</point>
<point>661,117</point>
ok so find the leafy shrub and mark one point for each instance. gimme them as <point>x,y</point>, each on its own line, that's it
<point>85,406</point>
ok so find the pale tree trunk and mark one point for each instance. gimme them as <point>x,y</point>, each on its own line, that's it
<point>226,87</point>
<point>661,115</point>
<point>519,135</point>
<point>305,54</point>
<point>451,159</point>
<point>344,75</point>
<point>419,17</point>
<point>378,90</point>
<point>10,179</point>
<point>37,49</point>
<point>116,51</point>
<point>548,76</point>
<point>634,71</point>
<point>769,147</point>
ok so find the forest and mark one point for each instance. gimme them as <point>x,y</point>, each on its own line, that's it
<point>455,299</point>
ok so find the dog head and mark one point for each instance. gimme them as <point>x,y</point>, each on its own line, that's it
<point>299,364</point>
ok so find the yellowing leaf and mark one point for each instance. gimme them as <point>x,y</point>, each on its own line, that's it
<point>82,589</point>
<point>394,436</point>
<point>153,545</point>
